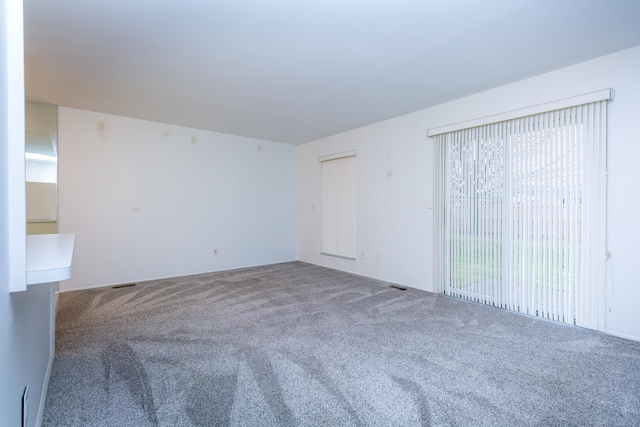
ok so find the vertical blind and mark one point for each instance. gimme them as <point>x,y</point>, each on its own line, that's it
<point>520,214</point>
<point>339,205</point>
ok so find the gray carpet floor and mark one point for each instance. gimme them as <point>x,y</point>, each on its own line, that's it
<point>295,344</point>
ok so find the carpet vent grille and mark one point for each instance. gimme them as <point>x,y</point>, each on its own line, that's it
<point>128,285</point>
<point>400,288</point>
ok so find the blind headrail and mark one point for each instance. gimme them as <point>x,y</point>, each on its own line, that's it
<point>599,95</point>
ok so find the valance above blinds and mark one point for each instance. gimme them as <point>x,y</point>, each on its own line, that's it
<point>599,95</point>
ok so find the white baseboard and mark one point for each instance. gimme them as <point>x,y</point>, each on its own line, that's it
<point>391,282</point>
<point>43,397</point>
<point>150,279</point>
<point>625,336</point>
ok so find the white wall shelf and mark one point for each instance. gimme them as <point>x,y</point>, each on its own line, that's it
<point>49,257</point>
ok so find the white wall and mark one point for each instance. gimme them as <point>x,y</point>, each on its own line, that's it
<point>25,317</point>
<point>395,181</point>
<point>149,200</point>
<point>41,201</point>
<point>38,171</point>
<point>26,350</point>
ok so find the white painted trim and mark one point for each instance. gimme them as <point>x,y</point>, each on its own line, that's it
<point>171,277</point>
<point>338,256</point>
<point>15,136</point>
<point>619,335</point>
<point>328,157</point>
<point>367,277</point>
<point>599,95</point>
<point>45,388</point>
<point>53,300</point>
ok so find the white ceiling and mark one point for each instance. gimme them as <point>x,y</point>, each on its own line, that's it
<point>298,70</point>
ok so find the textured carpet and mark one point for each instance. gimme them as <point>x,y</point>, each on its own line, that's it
<point>296,344</point>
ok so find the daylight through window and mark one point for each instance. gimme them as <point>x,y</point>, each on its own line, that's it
<point>521,214</point>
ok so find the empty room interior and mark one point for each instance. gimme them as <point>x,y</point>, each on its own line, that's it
<point>320,213</point>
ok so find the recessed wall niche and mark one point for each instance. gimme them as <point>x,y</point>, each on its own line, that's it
<point>41,167</point>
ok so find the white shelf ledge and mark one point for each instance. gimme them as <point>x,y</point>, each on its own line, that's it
<point>49,257</point>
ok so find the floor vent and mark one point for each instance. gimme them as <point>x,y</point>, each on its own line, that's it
<point>129,285</point>
<point>400,288</point>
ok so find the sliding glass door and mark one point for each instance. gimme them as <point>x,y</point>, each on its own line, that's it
<point>520,213</point>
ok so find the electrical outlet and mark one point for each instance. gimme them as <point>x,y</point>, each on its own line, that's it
<point>25,406</point>
<point>215,252</point>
